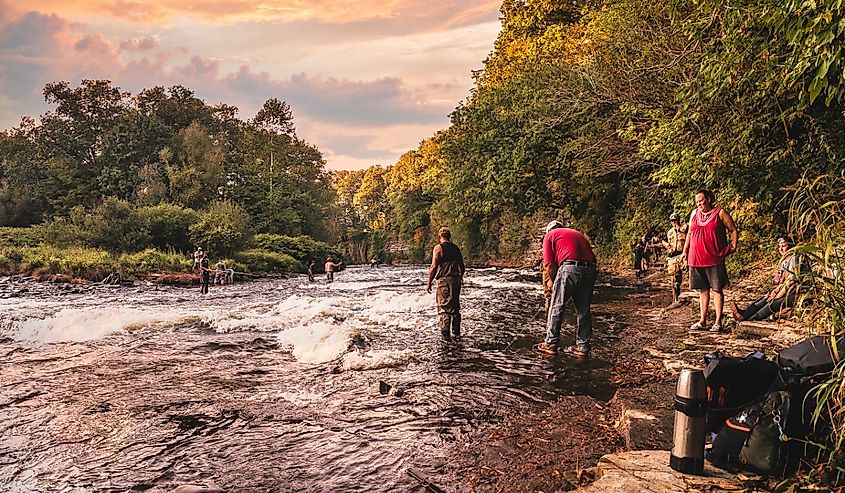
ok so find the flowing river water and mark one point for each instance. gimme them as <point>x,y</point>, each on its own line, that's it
<point>277,385</point>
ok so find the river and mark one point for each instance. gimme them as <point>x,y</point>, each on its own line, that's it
<point>276,385</point>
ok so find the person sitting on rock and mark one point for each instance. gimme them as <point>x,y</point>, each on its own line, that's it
<point>787,287</point>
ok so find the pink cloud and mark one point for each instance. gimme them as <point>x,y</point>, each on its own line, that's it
<point>139,44</point>
<point>437,13</point>
<point>355,118</point>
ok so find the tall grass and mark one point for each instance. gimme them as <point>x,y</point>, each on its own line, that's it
<point>88,263</point>
<point>79,262</point>
<point>152,260</point>
<point>21,237</point>
<point>817,219</point>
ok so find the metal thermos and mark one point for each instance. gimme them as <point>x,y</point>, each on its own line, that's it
<point>688,439</point>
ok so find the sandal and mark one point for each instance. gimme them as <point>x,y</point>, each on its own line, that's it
<point>718,328</point>
<point>698,326</point>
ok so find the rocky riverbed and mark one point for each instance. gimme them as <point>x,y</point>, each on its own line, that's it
<point>559,448</point>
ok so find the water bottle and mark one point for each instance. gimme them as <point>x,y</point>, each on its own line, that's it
<point>688,438</point>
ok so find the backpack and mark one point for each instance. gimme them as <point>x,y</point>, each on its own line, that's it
<point>734,383</point>
<point>755,439</point>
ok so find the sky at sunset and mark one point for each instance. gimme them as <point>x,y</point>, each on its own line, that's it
<point>366,79</point>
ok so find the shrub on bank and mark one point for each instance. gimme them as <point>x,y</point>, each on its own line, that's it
<point>21,237</point>
<point>68,231</point>
<point>152,260</point>
<point>301,248</point>
<point>85,263</point>
<point>117,226</point>
<point>94,264</point>
<point>168,225</point>
<point>256,260</point>
<point>222,229</point>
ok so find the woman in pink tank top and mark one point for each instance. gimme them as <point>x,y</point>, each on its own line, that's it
<point>705,250</point>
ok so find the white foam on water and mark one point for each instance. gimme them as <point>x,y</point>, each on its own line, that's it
<point>85,324</point>
<point>317,342</point>
<point>496,284</point>
<point>398,309</point>
<point>355,285</point>
<point>373,360</point>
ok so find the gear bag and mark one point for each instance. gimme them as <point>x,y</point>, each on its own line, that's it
<point>734,383</point>
<point>755,439</point>
<point>811,356</point>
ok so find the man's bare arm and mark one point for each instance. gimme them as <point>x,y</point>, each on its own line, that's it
<point>436,256</point>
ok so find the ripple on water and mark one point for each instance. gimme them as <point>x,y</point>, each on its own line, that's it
<point>275,385</point>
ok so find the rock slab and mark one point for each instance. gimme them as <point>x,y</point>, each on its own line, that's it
<point>648,471</point>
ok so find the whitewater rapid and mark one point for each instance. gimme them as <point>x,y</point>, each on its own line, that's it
<point>277,385</point>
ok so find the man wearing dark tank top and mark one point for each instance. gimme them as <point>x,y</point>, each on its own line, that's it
<point>447,266</point>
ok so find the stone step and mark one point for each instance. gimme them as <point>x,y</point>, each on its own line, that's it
<point>649,471</point>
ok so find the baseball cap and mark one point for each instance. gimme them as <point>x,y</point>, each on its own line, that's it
<point>552,225</point>
<point>674,217</point>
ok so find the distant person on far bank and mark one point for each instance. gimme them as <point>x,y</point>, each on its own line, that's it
<point>674,245</point>
<point>705,249</point>
<point>330,265</point>
<point>311,266</point>
<point>572,263</point>
<point>205,273</point>
<point>220,273</point>
<point>197,260</point>
<point>447,267</point>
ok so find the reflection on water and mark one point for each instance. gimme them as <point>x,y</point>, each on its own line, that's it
<point>271,386</point>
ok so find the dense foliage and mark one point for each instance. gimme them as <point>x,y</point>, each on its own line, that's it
<point>817,217</point>
<point>610,114</point>
<point>160,169</point>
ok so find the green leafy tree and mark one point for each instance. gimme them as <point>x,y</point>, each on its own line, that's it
<point>222,229</point>
<point>23,198</point>
<point>135,141</point>
<point>116,226</point>
<point>168,225</point>
<point>194,167</point>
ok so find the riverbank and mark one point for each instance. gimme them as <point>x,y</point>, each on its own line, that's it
<point>647,342</point>
<point>86,266</point>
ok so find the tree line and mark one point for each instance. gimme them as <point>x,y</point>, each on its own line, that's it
<point>160,168</point>
<point>608,115</point>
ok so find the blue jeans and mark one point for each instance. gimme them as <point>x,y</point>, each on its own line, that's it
<point>763,308</point>
<point>575,282</point>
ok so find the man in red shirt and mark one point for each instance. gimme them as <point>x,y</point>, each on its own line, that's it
<point>572,264</point>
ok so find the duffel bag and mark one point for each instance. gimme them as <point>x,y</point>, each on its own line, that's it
<point>811,356</point>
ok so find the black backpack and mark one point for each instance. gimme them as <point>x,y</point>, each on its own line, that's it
<point>734,383</point>
<point>756,438</point>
